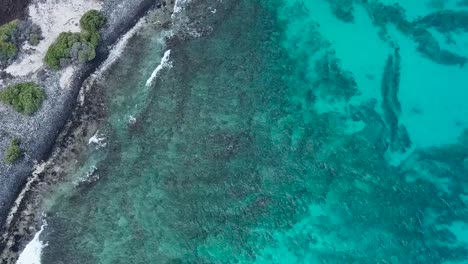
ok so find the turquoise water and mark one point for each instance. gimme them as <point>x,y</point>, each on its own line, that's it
<point>293,132</point>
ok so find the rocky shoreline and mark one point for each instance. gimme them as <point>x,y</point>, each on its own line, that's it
<point>46,129</point>
<point>12,9</point>
<point>87,109</point>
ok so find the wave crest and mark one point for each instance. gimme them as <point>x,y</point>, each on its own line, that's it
<point>165,63</point>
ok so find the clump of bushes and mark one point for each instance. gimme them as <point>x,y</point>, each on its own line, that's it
<point>14,152</point>
<point>8,49</point>
<point>77,47</point>
<point>14,34</point>
<point>71,47</point>
<point>26,98</point>
<point>92,20</point>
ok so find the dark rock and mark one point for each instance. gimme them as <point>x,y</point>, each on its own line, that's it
<point>12,9</point>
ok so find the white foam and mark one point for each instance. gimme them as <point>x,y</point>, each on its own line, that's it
<point>33,250</point>
<point>98,140</point>
<point>179,6</point>
<point>131,120</point>
<point>181,20</point>
<point>90,176</point>
<point>118,48</point>
<point>53,17</point>
<point>165,63</point>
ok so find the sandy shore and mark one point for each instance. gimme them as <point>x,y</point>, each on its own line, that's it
<point>53,18</point>
<point>39,132</point>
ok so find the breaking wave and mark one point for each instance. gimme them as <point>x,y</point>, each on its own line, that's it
<point>165,63</point>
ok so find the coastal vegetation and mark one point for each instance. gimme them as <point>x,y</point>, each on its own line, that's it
<point>14,152</point>
<point>15,33</point>
<point>7,48</point>
<point>77,47</point>
<point>92,20</point>
<point>26,98</point>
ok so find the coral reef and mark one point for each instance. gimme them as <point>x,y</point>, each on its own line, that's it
<point>333,79</point>
<point>444,21</point>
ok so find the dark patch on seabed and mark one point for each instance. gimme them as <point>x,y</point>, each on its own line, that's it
<point>229,160</point>
<point>399,139</point>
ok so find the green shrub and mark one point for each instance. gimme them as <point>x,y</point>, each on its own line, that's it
<point>13,153</point>
<point>60,49</point>
<point>92,20</point>
<point>76,47</point>
<point>13,34</point>
<point>92,37</point>
<point>26,98</point>
<point>34,39</point>
<point>7,30</point>
<point>86,52</point>
<point>8,49</point>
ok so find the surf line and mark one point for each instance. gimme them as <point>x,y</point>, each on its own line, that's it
<point>165,63</point>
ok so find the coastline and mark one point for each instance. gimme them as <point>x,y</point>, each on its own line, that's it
<point>55,130</point>
<point>245,185</point>
<point>26,218</point>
